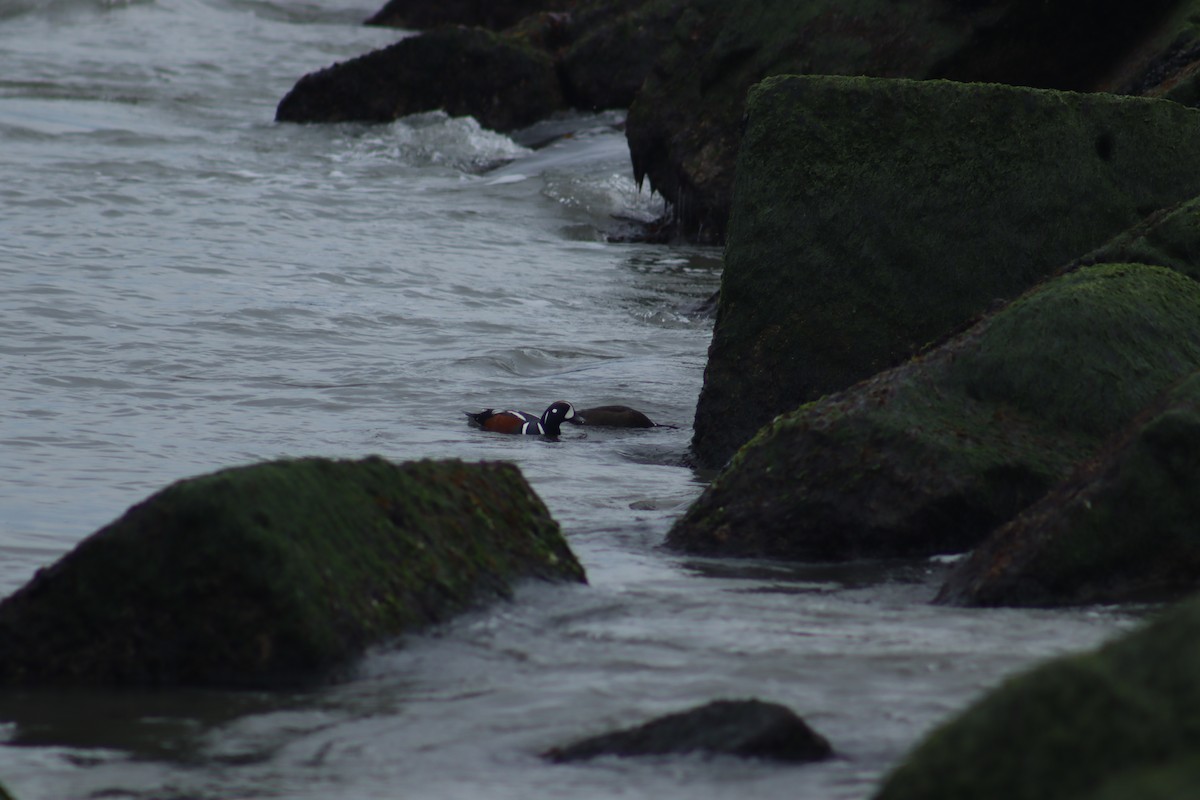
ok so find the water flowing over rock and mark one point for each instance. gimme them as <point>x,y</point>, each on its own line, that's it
<point>875,216</point>
<point>278,572</point>
<point>931,456</point>
<point>1120,722</point>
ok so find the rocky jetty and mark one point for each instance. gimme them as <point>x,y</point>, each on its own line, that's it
<point>593,57</point>
<point>931,456</point>
<point>277,573</point>
<point>683,67</point>
<point>685,127</point>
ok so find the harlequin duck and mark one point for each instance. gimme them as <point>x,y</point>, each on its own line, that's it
<point>615,417</point>
<point>521,422</point>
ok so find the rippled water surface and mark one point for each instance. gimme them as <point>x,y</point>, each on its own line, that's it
<point>185,285</point>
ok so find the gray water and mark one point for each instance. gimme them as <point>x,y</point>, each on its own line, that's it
<point>186,286</point>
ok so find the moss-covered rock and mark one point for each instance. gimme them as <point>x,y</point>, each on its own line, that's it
<point>931,456</point>
<point>1125,527</point>
<point>1121,722</point>
<point>277,572</point>
<point>874,216</point>
<point>502,82</point>
<point>684,128</point>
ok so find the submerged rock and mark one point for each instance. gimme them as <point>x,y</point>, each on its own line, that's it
<point>684,128</point>
<point>931,456</point>
<point>748,728</point>
<point>278,572</point>
<point>874,216</point>
<point>1120,722</point>
<point>502,82</point>
<point>1125,527</point>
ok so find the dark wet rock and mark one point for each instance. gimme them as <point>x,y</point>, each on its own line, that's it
<point>748,728</point>
<point>1125,527</point>
<point>931,456</point>
<point>494,14</point>
<point>684,128</point>
<point>875,216</point>
<point>585,55</point>
<point>612,53</point>
<point>501,82</point>
<point>1120,722</point>
<point>278,572</point>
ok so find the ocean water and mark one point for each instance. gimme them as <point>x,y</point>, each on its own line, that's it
<point>186,285</point>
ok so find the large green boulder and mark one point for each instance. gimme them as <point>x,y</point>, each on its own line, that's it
<point>931,456</point>
<point>875,216</point>
<point>1125,527</point>
<point>277,573</point>
<point>684,128</point>
<point>1122,722</point>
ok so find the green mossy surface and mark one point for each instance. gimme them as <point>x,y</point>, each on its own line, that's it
<point>277,572</point>
<point>1108,724</point>
<point>1124,527</point>
<point>931,456</point>
<point>875,216</point>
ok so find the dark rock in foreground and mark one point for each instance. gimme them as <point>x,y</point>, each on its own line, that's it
<point>748,728</point>
<point>275,573</point>
<point>875,216</point>
<point>1126,527</point>
<point>931,456</point>
<point>500,81</point>
<point>1121,722</point>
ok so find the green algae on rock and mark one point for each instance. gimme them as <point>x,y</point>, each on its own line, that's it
<point>1125,527</point>
<point>874,216</point>
<point>276,573</point>
<point>931,456</point>
<point>1126,717</point>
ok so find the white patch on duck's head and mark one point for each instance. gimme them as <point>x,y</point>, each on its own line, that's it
<point>561,409</point>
